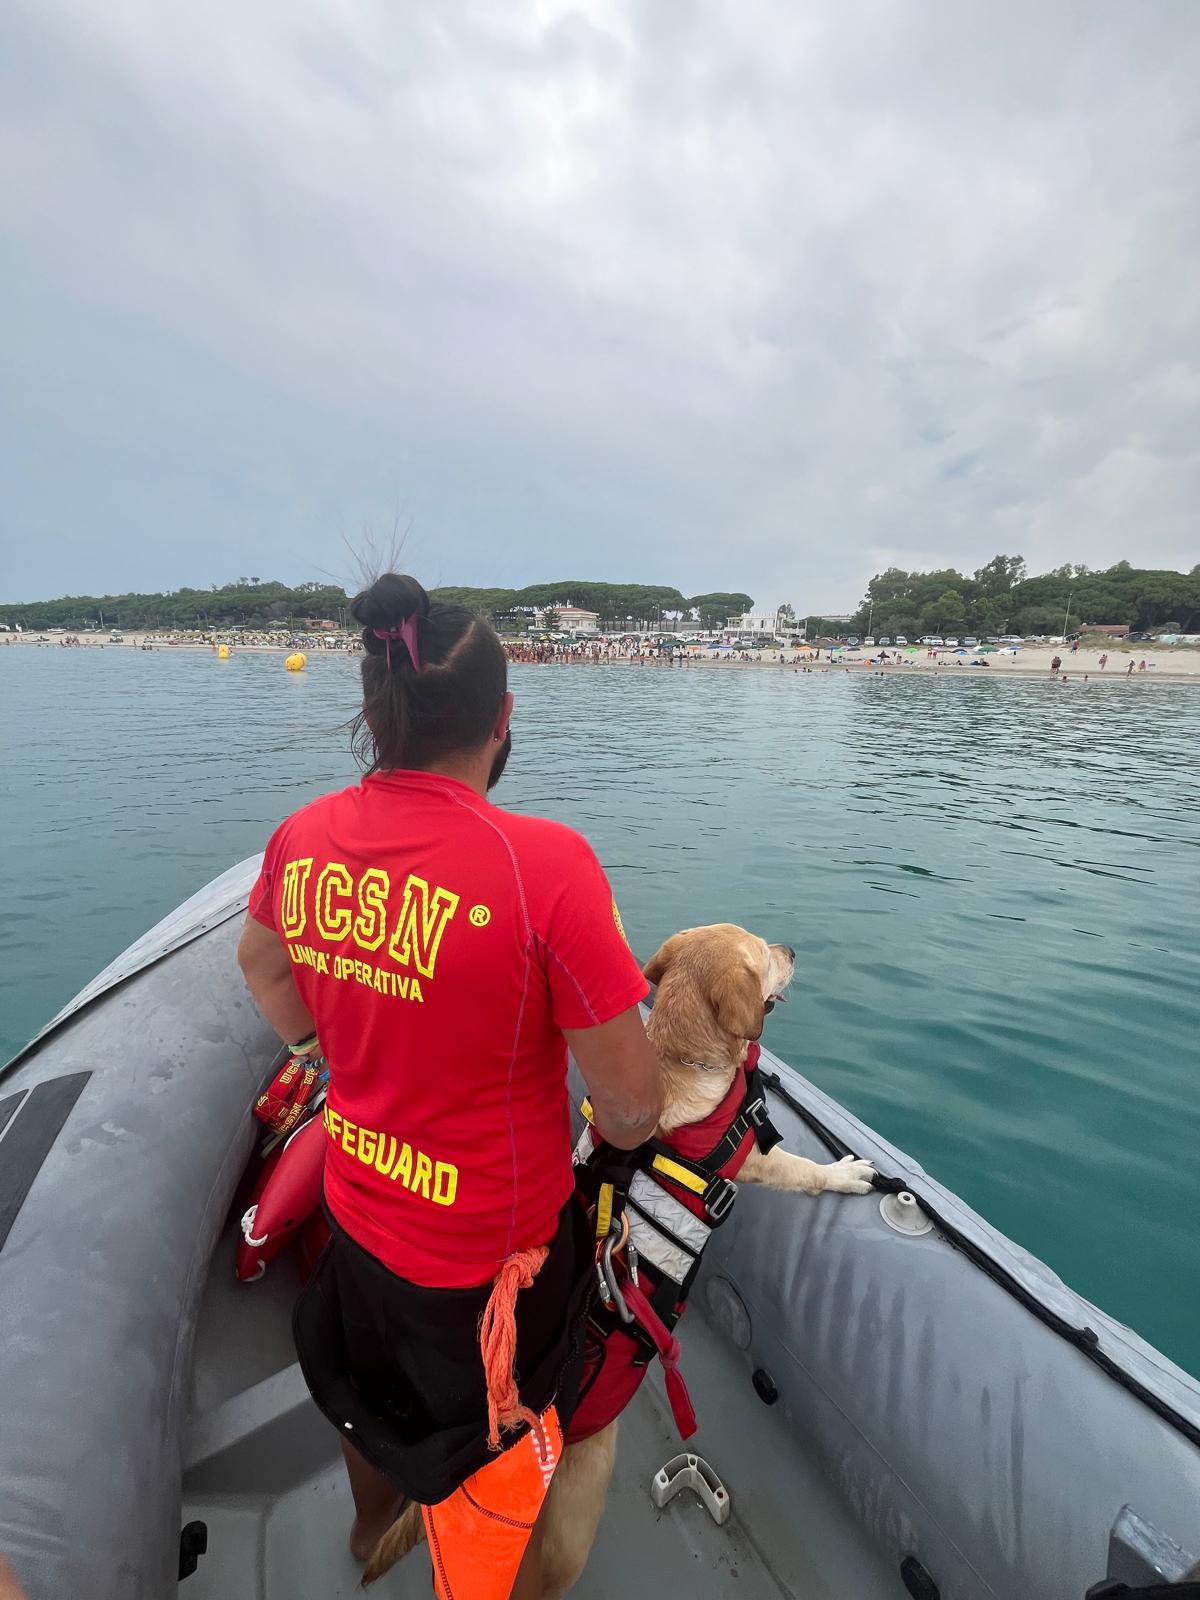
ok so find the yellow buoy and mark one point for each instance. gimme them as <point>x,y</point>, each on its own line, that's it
<point>222,652</point>
<point>296,662</point>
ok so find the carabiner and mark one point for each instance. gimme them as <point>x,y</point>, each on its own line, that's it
<point>609,1274</point>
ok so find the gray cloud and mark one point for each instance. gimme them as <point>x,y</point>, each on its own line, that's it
<point>756,295</point>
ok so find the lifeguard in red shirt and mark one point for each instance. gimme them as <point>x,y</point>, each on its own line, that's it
<point>445,953</point>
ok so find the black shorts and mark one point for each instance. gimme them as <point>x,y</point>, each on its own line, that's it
<point>397,1367</point>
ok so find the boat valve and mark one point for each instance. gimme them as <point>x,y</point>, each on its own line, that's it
<point>903,1214</point>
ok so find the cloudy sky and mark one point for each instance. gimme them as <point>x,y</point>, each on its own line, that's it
<point>721,295</point>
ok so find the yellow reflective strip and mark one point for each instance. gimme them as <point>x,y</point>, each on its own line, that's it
<point>672,1169</point>
<point>586,1108</point>
<point>604,1205</point>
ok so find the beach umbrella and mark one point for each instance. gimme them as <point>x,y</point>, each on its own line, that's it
<point>986,649</point>
<point>962,652</point>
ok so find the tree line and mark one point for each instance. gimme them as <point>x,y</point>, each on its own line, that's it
<point>257,604</point>
<point>637,605</point>
<point>997,598</point>
<point>1000,598</point>
<point>247,603</point>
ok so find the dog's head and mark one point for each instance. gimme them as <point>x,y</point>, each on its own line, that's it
<point>716,983</point>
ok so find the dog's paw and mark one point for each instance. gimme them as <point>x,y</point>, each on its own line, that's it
<point>849,1176</point>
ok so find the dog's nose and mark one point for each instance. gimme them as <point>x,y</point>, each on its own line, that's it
<point>790,951</point>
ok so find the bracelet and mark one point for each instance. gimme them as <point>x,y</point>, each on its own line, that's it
<point>304,1046</point>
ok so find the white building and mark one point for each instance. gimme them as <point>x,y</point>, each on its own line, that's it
<point>572,619</point>
<point>753,625</point>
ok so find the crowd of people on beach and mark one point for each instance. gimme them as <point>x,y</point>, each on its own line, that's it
<point>595,651</point>
<point>628,650</point>
<point>650,653</point>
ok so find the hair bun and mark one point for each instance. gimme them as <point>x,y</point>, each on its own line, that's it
<point>389,601</point>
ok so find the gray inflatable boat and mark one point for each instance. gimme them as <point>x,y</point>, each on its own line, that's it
<point>895,1398</point>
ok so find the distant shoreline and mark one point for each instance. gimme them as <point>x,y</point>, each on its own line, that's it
<point>1180,664</point>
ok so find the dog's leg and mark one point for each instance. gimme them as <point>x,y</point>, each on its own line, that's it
<point>404,1535</point>
<point>574,1506</point>
<point>796,1175</point>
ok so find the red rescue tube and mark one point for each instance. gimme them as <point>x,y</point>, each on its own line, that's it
<point>288,1193</point>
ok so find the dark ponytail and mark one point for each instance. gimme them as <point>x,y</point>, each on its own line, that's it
<point>413,714</point>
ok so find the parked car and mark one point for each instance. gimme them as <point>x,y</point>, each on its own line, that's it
<point>900,639</point>
<point>971,642</point>
<point>933,639</point>
<point>868,642</point>
<point>883,639</point>
<point>852,641</point>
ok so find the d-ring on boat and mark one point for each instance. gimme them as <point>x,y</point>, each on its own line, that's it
<point>894,1399</point>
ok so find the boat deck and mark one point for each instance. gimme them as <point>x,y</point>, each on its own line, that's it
<point>265,1475</point>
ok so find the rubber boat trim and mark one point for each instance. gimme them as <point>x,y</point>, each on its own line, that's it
<point>195,931</point>
<point>1085,1340</point>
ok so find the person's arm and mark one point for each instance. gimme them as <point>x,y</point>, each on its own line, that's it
<point>595,986</point>
<point>267,969</point>
<point>623,1076</point>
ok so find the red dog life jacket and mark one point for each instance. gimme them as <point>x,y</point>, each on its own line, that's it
<point>674,1193</point>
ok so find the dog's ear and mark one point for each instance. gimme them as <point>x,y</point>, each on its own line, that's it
<point>737,999</point>
<point>659,962</point>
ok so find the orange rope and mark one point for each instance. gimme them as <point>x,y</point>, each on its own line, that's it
<point>498,1342</point>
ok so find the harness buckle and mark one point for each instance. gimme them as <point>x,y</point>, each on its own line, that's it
<point>756,1112</point>
<point>718,1199</point>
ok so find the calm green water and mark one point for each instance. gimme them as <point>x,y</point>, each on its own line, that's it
<point>992,887</point>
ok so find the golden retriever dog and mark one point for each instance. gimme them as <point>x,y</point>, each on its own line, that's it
<point>714,988</point>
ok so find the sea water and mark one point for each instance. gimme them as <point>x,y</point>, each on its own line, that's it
<point>991,887</point>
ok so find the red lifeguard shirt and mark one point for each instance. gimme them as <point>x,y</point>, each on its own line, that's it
<point>442,946</point>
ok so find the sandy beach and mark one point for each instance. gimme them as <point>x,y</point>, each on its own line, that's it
<point>1172,664</point>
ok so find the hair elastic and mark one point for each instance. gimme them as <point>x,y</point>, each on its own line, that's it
<point>406,632</point>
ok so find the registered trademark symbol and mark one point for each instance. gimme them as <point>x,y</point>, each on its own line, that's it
<point>480,916</point>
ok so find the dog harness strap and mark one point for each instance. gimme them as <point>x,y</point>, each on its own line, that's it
<point>766,1134</point>
<point>665,1299</point>
<point>667,1346</point>
<point>691,1177</point>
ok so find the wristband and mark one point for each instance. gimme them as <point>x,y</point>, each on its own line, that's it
<point>304,1046</point>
